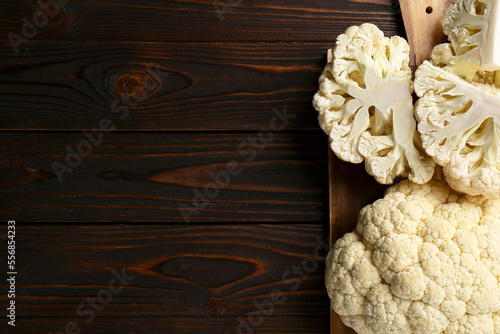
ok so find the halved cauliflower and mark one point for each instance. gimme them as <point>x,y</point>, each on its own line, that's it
<point>423,260</point>
<point>365,106</point>
<point>472,27</point>
<point>459,124</point>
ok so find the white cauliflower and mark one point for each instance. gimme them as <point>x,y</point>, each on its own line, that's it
<point>365,106</point>
<point>472,27</point>
<point>459,124</point>
<point>423,260</point>
<point>443,55</point>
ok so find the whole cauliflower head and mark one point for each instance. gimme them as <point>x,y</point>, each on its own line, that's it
<point>365,106</point>
<point>459,124</point>
<point>472,27</point>
<point>424,260</point>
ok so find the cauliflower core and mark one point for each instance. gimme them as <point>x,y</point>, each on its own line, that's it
<point>472,26</point>
<point>365,106</point>
<point>424,260</point>
<point>459,124</point>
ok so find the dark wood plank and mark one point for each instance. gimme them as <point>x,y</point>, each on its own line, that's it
<point>170,270</point>
<point>172,86</point>
<point>152,176</point>
<point>190,20</point>
<point>175,325</point>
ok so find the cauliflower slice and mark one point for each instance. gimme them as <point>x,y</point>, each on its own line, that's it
<point>385,279</point>
<point>365,106</point>
<point>459,124</point>
<point>472,26</point>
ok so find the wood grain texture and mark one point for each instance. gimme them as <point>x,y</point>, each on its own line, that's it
<point>197,80</point>
<point>168,86</point>
<point>175,325</point>
<point>170,270</point>
<point>192,20</point>
<point>351,189</point>
<point>147,176</point>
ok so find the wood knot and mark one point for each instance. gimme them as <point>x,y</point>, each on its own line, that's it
<point>49,13</point>
<point>212,307</point>
<point>13,162</point>
<point>134,84</point>
<point>14,172</point>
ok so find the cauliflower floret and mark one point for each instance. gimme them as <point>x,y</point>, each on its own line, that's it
<point>395,252</point>
<point>350,256</point>
<point>459,124</point>
<point>441,276</point>
<point>472,27</point>
<point>365,106</point>
<point>386,313</point>
<point>473,324</point>
<point>426,319</point>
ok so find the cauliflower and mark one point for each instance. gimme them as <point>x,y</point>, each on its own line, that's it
<point>365,106</point>
<point>459,124</point>
<point>472,27</point>
<point>474,53</point>
<point>423,260</point>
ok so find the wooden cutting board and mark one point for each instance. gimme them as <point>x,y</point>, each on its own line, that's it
<point>351,188</point>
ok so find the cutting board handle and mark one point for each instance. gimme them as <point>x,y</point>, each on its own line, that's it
<point>422,20</point>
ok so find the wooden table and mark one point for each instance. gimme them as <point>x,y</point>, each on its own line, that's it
<point>199,202</point>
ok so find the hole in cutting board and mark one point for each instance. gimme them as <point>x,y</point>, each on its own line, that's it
<point>428,10</point>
